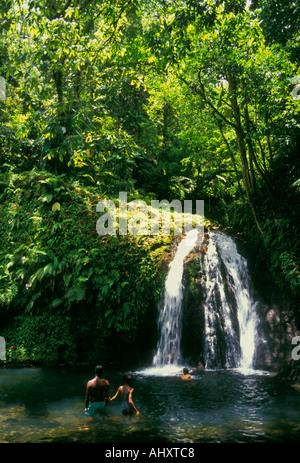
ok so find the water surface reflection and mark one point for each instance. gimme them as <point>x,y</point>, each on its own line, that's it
<point>47,405</point>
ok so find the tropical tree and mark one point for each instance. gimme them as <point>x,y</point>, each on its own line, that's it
<point>243,83</point>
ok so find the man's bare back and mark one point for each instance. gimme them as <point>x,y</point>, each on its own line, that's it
<point>98,389</point>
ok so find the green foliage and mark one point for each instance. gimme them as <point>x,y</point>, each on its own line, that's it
<point>161,99</point>
<point>279,19</point>
<point>55,264</point>
<point>278,249</point>
<point>8,290</point>
<point>39,339</point>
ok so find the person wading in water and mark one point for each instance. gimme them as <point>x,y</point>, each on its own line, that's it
<point>186,376</point>
<point>125,391</point>
<point>97,393</point>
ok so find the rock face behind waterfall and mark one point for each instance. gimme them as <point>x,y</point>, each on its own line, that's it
<point>193,309</point>
<point>272,333</point>
<point>276,329</point>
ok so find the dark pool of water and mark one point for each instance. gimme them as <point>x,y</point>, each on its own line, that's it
<point>47,405</point>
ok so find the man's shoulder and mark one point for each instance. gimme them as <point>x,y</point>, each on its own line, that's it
<point>104,381</point>
<point>186,377</point>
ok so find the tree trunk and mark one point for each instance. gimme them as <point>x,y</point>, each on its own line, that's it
<point>58,79</point>
<point>240,135</point>
<point>232,158</point>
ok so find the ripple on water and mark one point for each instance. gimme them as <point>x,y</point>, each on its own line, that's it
<point>216,406</point>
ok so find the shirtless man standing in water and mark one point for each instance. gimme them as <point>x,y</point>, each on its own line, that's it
<point>97,393</point>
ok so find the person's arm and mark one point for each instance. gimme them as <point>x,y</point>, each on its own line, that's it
<point>116,394</point>
<point>131,402</point>
<point>87,397</point>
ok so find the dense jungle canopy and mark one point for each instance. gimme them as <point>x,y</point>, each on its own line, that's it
<point>161,99</point>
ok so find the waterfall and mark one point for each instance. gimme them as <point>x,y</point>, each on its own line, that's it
<point>168,348</point>
<point>230,312</point>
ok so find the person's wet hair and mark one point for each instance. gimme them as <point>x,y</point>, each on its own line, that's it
<point>185,371</point>
<point>127,378</point>
<point>99,370</point>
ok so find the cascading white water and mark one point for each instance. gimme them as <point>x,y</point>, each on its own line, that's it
<point>168,348</point>
<point>230,313</point>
